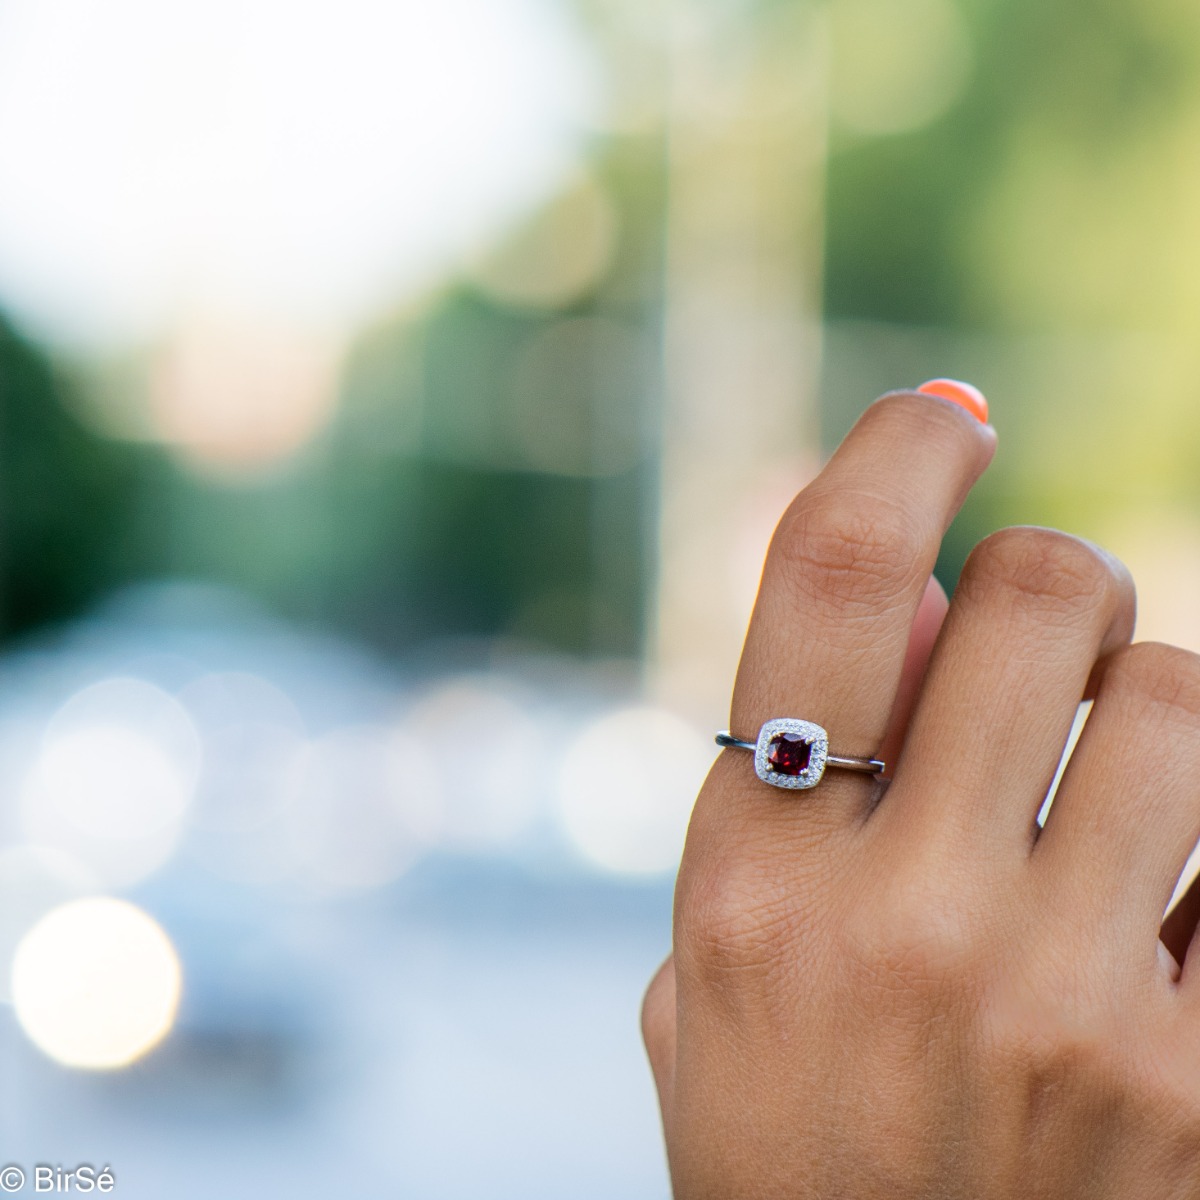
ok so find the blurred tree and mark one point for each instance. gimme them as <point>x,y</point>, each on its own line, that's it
<point>1069,83</point>
<point>491,468</point>
<point>68,500</point>
<point>1039,236</point>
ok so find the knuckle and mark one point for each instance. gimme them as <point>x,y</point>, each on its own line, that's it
<point>1054,571</point>
<point>731,922</point>
<point>1076,1046</point>
<point>1095,1068</point>
<point>852,552</point>
<point>1061,1064</point>
<point>915,940</point>
<point>1158,676</point>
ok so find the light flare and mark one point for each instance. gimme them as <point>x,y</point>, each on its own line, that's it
<point>96,984</point>
<point>626,788</point>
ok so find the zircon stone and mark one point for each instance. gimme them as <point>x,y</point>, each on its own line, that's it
<point>788,754</point>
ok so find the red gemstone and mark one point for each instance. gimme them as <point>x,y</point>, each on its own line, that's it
<point>788,754</point>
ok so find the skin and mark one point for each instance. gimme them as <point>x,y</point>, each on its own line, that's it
<point>902,988</point>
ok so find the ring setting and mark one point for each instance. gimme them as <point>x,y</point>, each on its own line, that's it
<point>793,754</point>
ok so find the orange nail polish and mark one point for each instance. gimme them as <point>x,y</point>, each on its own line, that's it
<point>963,394</point>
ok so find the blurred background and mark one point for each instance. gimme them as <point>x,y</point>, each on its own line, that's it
<point>396,399</point>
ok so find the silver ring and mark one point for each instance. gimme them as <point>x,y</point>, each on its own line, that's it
<point>791,753</point>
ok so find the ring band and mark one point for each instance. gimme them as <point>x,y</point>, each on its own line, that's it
<point>791,753</point>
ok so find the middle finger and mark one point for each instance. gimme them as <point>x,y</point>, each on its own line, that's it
<point>1033,612</point>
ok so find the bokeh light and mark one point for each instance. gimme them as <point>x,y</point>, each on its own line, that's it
<point>34,880</point>
<point>626,788</point>
<point>558,256</point>
<point>235,396</point>
<point>487,749</point>
<point>365,810</point>
<point>96,983</point>
<point>897,64</point>
<point>113,778</point>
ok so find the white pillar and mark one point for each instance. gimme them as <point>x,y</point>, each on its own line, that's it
<point>747,144</point>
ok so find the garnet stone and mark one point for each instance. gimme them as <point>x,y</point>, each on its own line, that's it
<point>788,754</point>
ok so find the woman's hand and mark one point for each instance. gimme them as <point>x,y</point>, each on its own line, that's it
<point>905,990</point>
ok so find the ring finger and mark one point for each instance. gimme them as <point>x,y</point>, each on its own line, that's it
<point>841,586</point>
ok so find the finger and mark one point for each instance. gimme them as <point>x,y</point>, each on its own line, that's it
<point>658,1030</point>
<point>841,587</point>
<point>1127,812</point>
<point>1033,611</point>
<point>930,614</point>
<point>828,639</point>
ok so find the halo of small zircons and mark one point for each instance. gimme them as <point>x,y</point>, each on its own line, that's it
<point>814,735</point>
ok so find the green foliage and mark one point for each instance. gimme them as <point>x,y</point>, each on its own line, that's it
<point>68,500</point>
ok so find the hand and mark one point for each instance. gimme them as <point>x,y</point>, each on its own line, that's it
<point>906,990</point>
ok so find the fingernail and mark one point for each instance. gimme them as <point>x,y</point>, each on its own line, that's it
<point>963,394</point>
